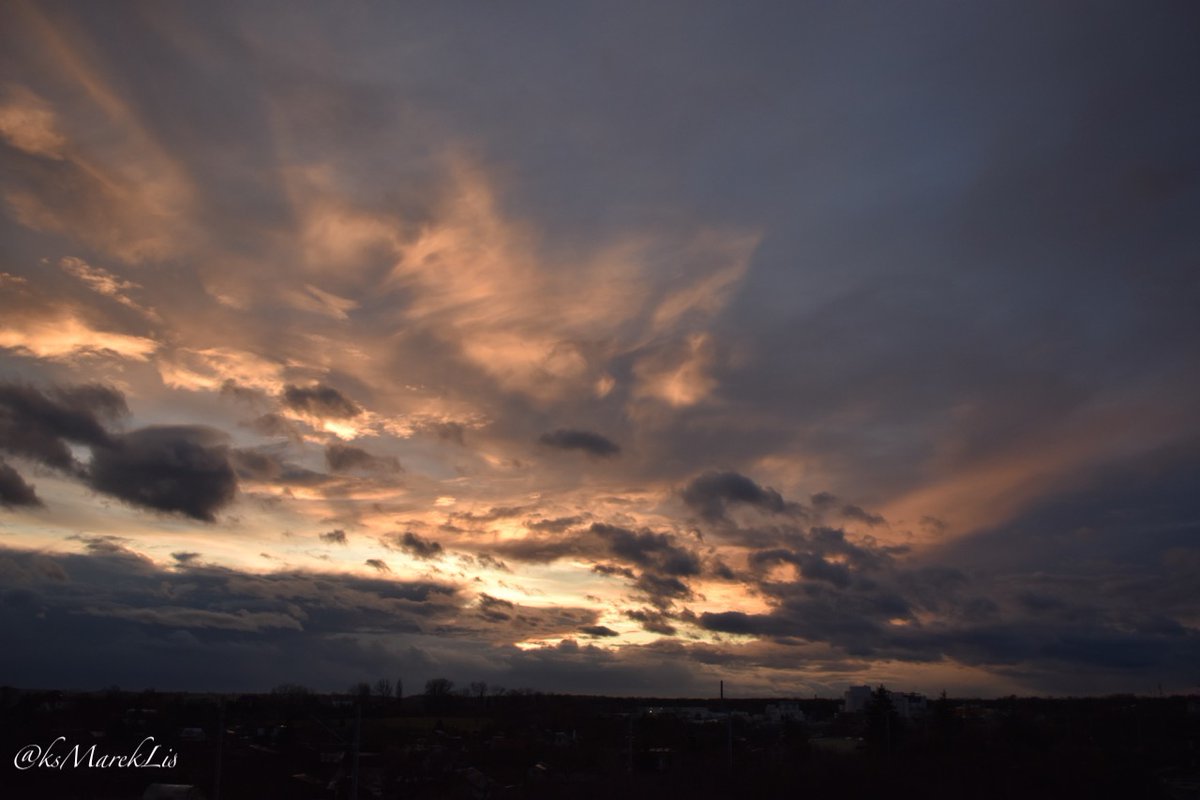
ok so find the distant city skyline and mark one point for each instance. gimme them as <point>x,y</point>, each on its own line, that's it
<point>604,348</point>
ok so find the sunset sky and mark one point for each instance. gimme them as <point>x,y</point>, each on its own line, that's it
<point>601,347</point>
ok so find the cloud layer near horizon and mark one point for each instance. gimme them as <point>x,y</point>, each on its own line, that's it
<point>617,349</point>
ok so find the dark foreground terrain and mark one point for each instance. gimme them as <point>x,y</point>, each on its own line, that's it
<point>296,744</point>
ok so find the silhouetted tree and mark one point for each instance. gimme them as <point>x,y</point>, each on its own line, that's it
<point>883,723</point>
<point>479,688</point>
<point>942,724</point>
<point>438,692</point>
<point>383,688</point>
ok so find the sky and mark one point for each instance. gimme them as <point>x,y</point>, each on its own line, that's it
<point>604,347</point>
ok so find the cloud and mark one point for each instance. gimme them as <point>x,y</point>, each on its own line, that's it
<point>377,564</point>
<point>540,550</point>
<point>449,431</point>
<point>712,493</point>
<point>296,616</point>
<point>679,375</point>
<point>654,621</point>
<point>256,465</point>
<point>175,617</point>
<point>413,544</point>
<point>857,514</point>
<point>319,401</point>
<point>492,514</point>
<point>591,443</point>
<point>274,425</point>
<point>40,426</point>
<point>556,524</point>
<point>28,123</point>
<point>488,562</point>
<point>175,468</point>
<point>344,458</point>
<point>334,537</point>
<point>733,622</point>
<point>107,283</point>
<point>63,335</point>
<point>613,569</point>
<point>654,563</point>
<point>231,370</point>
<point>509,621</point>
<point>653,552</point>
<point>647,549</point>
<point>598,631</point>
<point>495,609</point>
<point>663,590</point>
<point>14,491</point>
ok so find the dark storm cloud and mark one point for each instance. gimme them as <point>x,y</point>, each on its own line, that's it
<point>337,536</point>
<point>857,514</point>
<point>1026,609</point>
<point>555,525</point>
<point>211,614</point>
<point>184,469</point>
<point>492,514</point>
<point>541,550</point>
<point>653,551</point>
<point>176,468</point>
<point>488,562</point>
<point>613,569</point>
<point>712,493</point>
<point>39,425</point>
<point>14,491</point>
<point>319,400</point>
<point>106,402</point>
<point>268,466</point>
<point>519,621</point>
<point>343,457</point>
<point>243,394</point>
<point>655,563</point>
<point>812,567</point>
<point>656,551</point>
<point>256,465</point>
<point>415,545</point>
<point>794,543</point>
<point>586,441</point>
<point>449,432</point>
<point>112,547</point>
<point>719,569</point>
<point>654,621</point>
<point>494,609</point>
<point>273,425</point>
<point>823,501</point>
<point>734,622</point>
<point>598,631</point>
<point>662,590</point>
